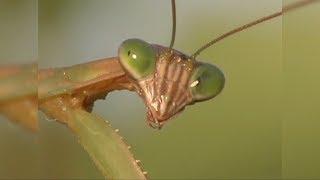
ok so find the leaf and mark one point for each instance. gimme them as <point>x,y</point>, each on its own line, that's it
<point>105,146</point>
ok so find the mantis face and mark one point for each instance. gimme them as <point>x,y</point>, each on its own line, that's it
<point>166,79</point>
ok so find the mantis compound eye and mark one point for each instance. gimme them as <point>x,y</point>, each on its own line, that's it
<point>206,82</point>
<point>137,57</point>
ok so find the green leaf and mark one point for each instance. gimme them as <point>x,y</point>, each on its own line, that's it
<point>105,147</point>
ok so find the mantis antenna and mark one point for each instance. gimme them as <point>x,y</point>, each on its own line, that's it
<point>258,21</point>
<point>173,35</point>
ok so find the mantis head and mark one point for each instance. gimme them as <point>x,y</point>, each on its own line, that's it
<point>167,79</point>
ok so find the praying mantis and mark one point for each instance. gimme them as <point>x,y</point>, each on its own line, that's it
<point>166,79</point>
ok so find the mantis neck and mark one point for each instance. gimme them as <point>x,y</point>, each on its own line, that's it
<point>111,76</point>
<point>103,75</point>
<point>84,83</point>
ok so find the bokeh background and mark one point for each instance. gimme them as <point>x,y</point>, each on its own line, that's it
<point>265,123</point>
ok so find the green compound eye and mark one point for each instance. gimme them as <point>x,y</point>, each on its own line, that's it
<point>137,57</point>
<point>206,82</point>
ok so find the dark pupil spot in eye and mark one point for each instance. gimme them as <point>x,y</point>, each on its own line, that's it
<point>129,52</point>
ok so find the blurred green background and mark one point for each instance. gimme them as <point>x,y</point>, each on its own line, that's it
<point>301,122</point>
<point>265,123</point>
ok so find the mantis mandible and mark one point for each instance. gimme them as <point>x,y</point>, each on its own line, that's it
<point>166,79</point>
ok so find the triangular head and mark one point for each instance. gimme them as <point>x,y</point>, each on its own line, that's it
<point>167,79</point>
